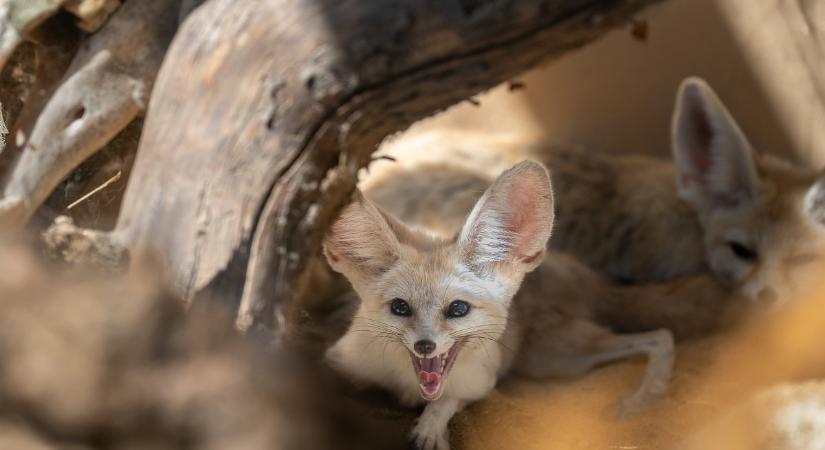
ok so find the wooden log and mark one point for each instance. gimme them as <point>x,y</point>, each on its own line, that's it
<point>107,85</point>
<point>18,17</point>
<point>264,111</point>
<point>50,58</point>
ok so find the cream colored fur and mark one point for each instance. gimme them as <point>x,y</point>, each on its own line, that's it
<point>503,239</point>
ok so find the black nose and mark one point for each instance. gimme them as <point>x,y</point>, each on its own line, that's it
<point>424,347</point>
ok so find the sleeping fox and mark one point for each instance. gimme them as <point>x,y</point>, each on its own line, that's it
<point>755,222</point>
<point>442,317</point>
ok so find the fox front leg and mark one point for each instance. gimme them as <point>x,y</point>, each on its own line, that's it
<point>430,431</point>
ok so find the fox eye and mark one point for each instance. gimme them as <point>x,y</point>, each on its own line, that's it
<point>400,307</point>
<point>742,251</point>
<point>458,308</point>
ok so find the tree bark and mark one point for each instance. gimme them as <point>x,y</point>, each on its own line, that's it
<point>264,111</point>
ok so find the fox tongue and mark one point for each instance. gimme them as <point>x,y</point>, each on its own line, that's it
<point>430,383</point>
<point>430,376</point>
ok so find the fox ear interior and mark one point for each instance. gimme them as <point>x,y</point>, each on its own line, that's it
<point>714,161</point>
<point>511,223</point>
<point>814,203</point>
<point>361,241</point>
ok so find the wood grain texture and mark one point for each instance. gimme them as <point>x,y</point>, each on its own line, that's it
<point>264,111</point>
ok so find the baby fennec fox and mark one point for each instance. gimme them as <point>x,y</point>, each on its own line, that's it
<point>436,324</point>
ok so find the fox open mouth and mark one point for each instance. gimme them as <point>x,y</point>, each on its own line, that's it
<point>431,372</point>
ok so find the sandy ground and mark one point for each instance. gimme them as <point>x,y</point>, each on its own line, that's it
<point>712,376</point>
<point>578,414</point>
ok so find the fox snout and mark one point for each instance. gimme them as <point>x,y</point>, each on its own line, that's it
<point>427,344</point>
<point>767,297</point>
<point>761,293</point>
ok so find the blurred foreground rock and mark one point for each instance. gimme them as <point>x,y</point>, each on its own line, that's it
<point>119,364</point>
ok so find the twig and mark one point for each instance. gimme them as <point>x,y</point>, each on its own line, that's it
<point>96,190</point>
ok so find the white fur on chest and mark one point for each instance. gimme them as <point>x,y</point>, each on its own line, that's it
<point>365,358</point>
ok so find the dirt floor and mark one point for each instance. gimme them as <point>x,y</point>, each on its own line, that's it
<point>578,414</point>
<point>712,376</point>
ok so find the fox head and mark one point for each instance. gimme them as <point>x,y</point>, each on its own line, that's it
<point>433,295</point>
<point>763,219</point>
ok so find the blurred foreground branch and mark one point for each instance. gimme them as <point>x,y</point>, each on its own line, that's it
<point>118,364</point>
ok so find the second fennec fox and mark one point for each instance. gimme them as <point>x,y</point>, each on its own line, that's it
<point>440,319</point>
<point>753,220</point>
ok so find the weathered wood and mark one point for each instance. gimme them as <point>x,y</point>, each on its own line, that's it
<point>265,110</point>
<point>18,17</point>
<point>91,14</point>
<point>105,88</point>
<point>10,38</point>
<point>51,58</point>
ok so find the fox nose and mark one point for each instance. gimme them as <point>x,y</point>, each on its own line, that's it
<point>767,297</point>
<point>424,347</point>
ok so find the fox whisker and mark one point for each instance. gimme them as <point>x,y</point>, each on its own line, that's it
<point>480,339</point>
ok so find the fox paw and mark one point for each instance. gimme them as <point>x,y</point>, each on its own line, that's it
<point>430,435</point>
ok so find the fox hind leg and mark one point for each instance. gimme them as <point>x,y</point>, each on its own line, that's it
<point>582,345</point>
<point>659,348</point>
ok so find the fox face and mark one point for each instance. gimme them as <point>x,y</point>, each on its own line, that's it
<point>437,300</point>
<point>762,218</point>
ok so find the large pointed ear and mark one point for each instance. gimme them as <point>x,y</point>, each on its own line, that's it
<point>361,242</point>
<point>714,161</point>
<point>814,202</point>
<point>509,226</point>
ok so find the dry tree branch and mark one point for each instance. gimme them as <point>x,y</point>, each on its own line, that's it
<point>106,86</point>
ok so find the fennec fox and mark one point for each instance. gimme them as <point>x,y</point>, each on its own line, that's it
<point>753,220</point>
<point>436,325</point>
<point>756,222</point>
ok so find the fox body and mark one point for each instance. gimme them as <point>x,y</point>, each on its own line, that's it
<point>755,222</point>
<point>441,317</point>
